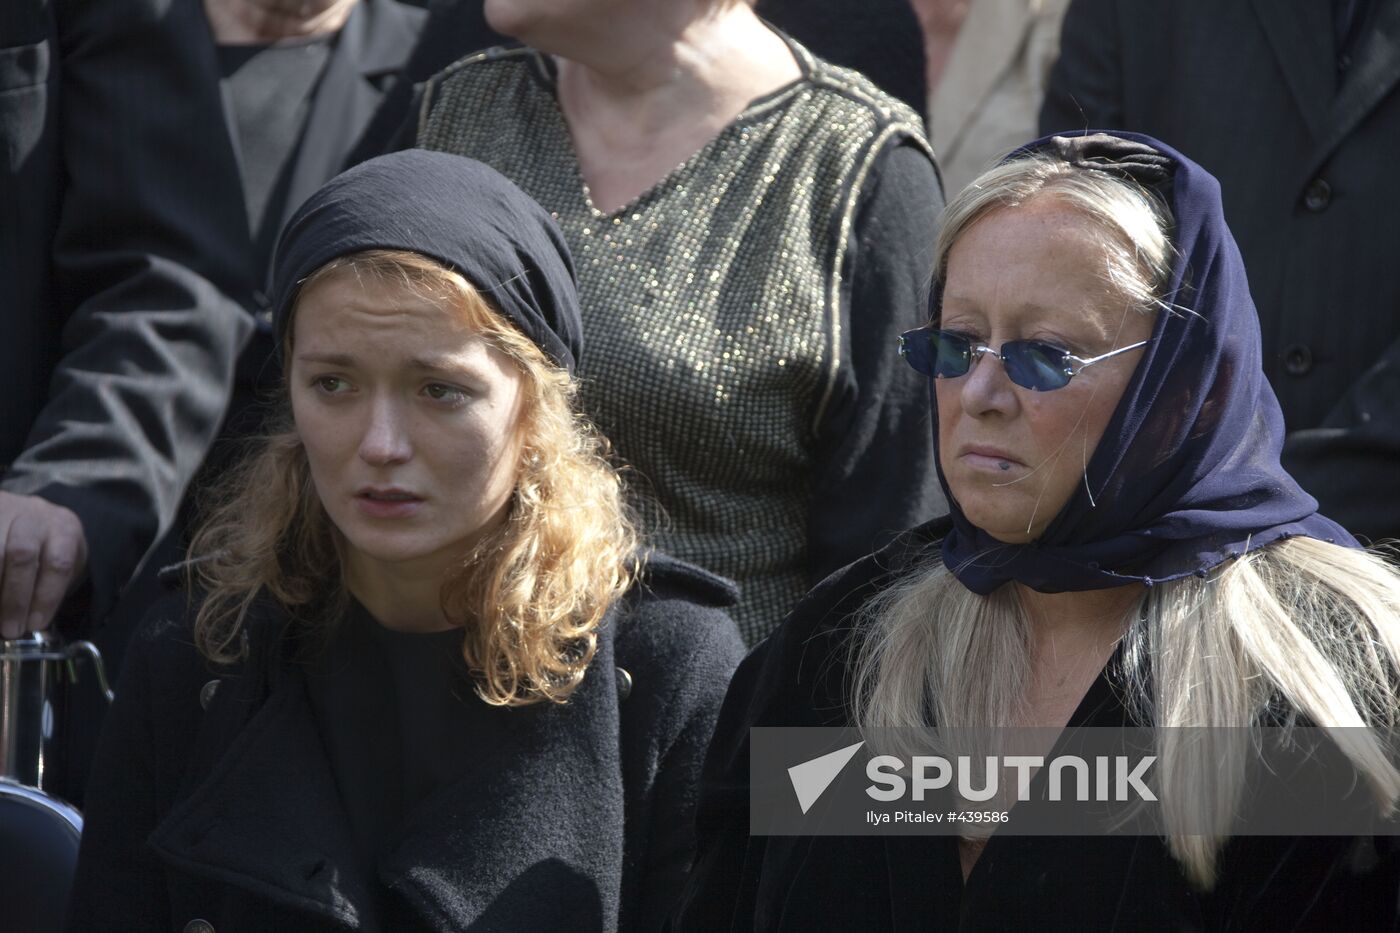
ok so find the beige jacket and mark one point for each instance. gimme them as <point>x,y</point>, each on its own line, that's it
<point>989,97</point>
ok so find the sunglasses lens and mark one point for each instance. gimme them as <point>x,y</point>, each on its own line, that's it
<point>913,346</point>
<point>951,353</point>
<point>1035,365</point>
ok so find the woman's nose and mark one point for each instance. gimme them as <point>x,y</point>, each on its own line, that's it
<point>385,439</point>
<point>986,389</point>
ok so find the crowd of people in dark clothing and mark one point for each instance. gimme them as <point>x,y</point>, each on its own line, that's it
<point>460,422</point>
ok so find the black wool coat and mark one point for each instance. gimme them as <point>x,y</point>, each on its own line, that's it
<point>870,884</point>
<point>230,814</point>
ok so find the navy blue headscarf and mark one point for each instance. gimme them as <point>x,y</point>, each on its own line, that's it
<point>1187,474</point>
<point>460,212</point>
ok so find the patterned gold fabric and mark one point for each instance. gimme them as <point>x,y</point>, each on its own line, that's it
<point>712,303</point>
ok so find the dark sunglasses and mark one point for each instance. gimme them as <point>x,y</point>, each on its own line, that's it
<point>1031,364</point>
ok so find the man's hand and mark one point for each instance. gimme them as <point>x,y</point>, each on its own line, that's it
<point>43,552</point>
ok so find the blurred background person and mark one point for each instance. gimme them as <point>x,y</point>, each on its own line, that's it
<point>1295,107</point>
<point>976,68</point>
<point>301,82</point>
<point>752,228</point>
<point>154,149</point>
<point>119,284</point>
<point>986,66</point>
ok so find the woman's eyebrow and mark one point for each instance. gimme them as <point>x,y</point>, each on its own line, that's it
<point>328,359</point>
<point>439,363</point>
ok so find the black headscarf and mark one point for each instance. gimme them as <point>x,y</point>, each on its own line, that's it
<point>455,210</point>
<point>1187,473</point>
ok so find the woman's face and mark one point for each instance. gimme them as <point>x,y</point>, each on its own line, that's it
<point>409,422</point>
<point>1012,456</point>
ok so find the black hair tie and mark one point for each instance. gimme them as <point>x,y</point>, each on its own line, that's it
<point>1125,158</point>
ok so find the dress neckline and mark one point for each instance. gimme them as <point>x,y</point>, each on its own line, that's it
<point>545,73</point>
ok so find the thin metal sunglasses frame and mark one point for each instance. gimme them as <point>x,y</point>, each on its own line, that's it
<point>1072,365</point>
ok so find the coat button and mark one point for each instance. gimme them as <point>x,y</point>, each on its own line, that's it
<point>624,683</point>
<point>199,926</point>
<point>1298,360</point>
<point>206,693</point>
<point>1317,196</point>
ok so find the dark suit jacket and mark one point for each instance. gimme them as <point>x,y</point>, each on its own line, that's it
<point>580,821</point>
<point>372,48</point>
<point>127,284</point>
<point>118,271</point>
<point>455,28</point>
<point>1307,166</point>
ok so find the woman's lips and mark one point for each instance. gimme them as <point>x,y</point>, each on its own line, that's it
<point>989,459</point>
<point>392,504</point>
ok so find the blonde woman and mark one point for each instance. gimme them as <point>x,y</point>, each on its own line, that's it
<point>1123,548</point>
<point>423,680</point>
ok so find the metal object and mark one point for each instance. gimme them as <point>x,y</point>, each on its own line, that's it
<point>39,833</point>
<point>39,837</point>
<point>36,672</point>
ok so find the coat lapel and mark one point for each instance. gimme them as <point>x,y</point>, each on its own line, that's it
<point>1373,76</point>
<point>373,45</point>
<point>542,811</point>
<point>991,36</point>
<point>1300,32</point>
<point>266,817</point>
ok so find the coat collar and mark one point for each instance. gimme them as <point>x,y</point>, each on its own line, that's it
<point>1301,36</point>
<point>373,46</point>
<point>1374,74</point>
<point>370,49</point>
<point>540,813</point>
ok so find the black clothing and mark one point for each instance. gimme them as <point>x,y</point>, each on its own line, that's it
<point>1304,157</point>
<point>570,817</point>
<point>882,39</point>
<point>799,677</point>
<point>454,28</point>
<point>269,89</point>
<point>119,273</point>
<point>367,54</point>
<point>875,431</point>
<point>413,693</point>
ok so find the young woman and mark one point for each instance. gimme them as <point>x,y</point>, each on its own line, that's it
<point>1123,548</point>
<point>424,680</point>
<point>752,227</point>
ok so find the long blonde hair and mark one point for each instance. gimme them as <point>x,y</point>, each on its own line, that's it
<point>1313,623</point>
<point>530,595</point>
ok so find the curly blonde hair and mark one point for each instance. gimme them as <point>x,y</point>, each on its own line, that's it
<point>530,595</point>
